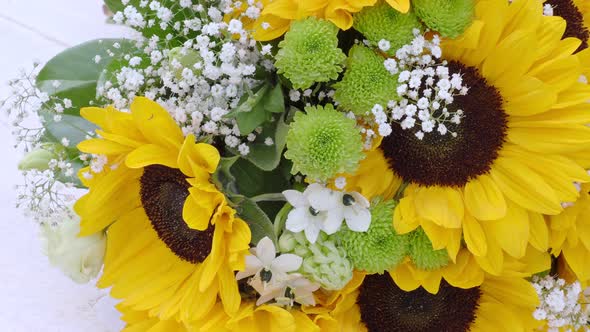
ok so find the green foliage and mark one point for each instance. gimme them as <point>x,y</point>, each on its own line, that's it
<point>77,73</point>
<point>259,223</point>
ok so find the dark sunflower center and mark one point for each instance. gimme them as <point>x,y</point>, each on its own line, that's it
<point>163,193</point>
<point>452,161</point>
<point>574,18</point>
<point>386,308</point>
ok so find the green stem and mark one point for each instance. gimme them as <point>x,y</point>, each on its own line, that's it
<point>400,192</point>
<point>276,197</point>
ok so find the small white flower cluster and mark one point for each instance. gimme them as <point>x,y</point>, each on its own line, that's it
<point>276,277</point>
<point>319,208</point>
<point>43,194</point>
<point>24,103</point>
<point>425,92</point>
<point>560,304</point>
<point>199,82</point>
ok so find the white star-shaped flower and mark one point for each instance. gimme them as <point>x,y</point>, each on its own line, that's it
<point>263,263</point>
<point>315,210</point>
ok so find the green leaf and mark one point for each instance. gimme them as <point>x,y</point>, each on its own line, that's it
<point>114,5</point>
<point>251,113</point>
<point>281,219</point>
<point>268,157</point>
<point>259,223</point>
<point>274,100</point>
<point>72,127</point>
<point>252,181</point>
<point>77,72</point>
<point>223,177</point>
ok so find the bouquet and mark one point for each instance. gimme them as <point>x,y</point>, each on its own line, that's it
<point>329,165</point>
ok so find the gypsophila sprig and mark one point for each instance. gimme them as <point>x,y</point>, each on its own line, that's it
<point>425,92</point>
<point>562,305</point>
<point>197,66</point>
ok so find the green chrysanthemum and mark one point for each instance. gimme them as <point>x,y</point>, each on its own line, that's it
<point>380,248</point>
<point>366,82</point>
<point>323,261</point>
<point>448,17</point>
<point>323,142</point>
<point>383,22</point>
<point>309,53</point>
<point>423,255</point>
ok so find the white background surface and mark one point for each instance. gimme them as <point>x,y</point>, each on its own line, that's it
<point>33,295</point>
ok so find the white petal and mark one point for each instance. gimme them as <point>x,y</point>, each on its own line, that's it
<point>253,266</point>
<point>286,263</point>
<point>312,231</point>
<point>297,220</point>
<point>325,199</point>
<point>332,221</point>
<point>266,251</point>
<point>295,198</point>
<point>270,293</point>
<point>360,199</point>
<point>358,220</point>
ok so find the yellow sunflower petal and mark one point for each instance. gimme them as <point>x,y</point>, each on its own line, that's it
<point>511,231</point>
<point>483,198</point>
<point>475,237</point>
<point>539,236</point>
<point>156,124</point>
<point>524,186</point>
<point>151,154</point>
<point>442,205</point>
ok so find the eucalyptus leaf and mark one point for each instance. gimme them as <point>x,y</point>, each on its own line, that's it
<point>251,113</point>
<point>274,100</point>
<point>268,157</point>
<point>223,177</point>
<point>72,127</point>
<point>259,223</point>
<point>76,72</point>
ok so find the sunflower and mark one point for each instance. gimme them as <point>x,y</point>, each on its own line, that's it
<point>277,15</point>
<point>570,236</point>
<point>173,242</point>
<point>385,307</point>
<point>518,149</point>
<point>577,15</point>
<point>249,318</point>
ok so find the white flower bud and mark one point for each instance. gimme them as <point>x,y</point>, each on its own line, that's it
<point>80,258</point>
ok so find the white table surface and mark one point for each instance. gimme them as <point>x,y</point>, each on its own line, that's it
<point>34,296</point>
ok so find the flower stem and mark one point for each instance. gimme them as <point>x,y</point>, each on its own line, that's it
<point>275,197</point>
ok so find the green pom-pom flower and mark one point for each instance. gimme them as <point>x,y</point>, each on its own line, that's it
<point>380,248</point>
<point>382,22</point>
<point>423,255</point>
<point>448,17</point>
<point>309,53</point>
<point>366,82</point>
<point>323,142</point>
<point>323,261</point>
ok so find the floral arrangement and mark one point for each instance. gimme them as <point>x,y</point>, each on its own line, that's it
<point>329,165</point>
